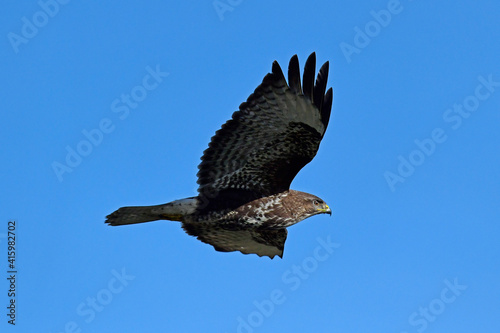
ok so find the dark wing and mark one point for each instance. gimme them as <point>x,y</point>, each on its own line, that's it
<point>268,242</point>
<point>276,132</point>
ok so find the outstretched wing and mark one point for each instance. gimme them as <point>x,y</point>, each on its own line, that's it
<point>276,132</point>
<point>268,242</point>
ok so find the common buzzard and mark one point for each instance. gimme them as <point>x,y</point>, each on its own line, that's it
<point>244,200</point>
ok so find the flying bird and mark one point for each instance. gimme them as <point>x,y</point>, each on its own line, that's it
<point>244,200</point>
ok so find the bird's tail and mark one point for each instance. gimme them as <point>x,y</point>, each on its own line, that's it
<point>132,215</point>
<point>173,211</point>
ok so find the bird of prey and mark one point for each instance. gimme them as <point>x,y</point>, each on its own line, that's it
<point>244,200</point>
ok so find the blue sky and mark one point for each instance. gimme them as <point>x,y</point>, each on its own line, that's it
<point>410,165</point>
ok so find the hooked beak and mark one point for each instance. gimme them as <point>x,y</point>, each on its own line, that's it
<point>325,210</point>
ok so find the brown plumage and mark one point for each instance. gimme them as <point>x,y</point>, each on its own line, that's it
<point>244,200</point>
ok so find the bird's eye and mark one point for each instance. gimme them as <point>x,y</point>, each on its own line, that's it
<point>316,202</point>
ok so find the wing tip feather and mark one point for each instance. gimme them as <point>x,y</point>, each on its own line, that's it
<point>308,76</point>
<point>294,75</point>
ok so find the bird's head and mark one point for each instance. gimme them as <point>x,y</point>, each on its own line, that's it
<point>318,206</point>
<point>306,205</point>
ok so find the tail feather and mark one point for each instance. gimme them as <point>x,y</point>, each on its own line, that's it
<point>132,215</point>
<point>173,211</point>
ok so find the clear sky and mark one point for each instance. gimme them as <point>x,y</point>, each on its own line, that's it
<point>409,165</point>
